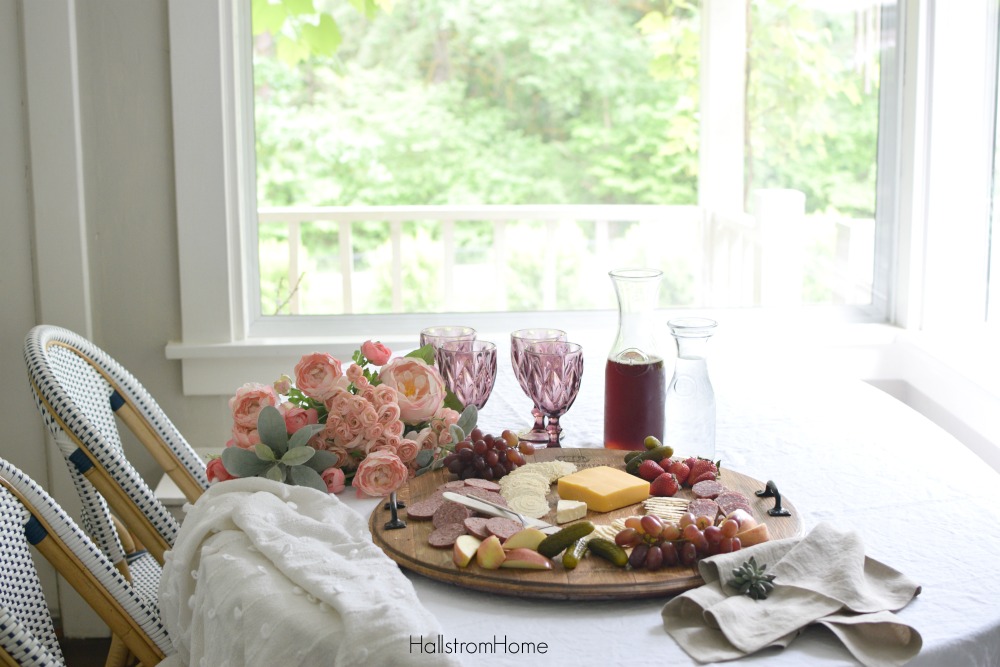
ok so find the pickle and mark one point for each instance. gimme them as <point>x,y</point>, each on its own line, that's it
<point>658,454</point>
<point>652,442</point>
<point>609,551</point>
<point>574,554</point>
<point>553,544</point>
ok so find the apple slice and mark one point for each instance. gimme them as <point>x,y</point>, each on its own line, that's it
<point>490,554</point>
<point>465,549</point>
<point>526,559</point>
<point>755,535</point>
<point>528,538</point>
<point>743,518</point>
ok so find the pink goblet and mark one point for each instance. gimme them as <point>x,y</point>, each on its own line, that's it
<point>519,340</point>
<point>555,369</point>
<point>469,369</point>
<point>438,336</point>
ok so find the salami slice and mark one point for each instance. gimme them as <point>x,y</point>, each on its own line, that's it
<point>450,512</point>
<point>731,500</point>
<point>708,489</point>
<point>476,525</point>
<point>445,536</point>
<point>423,510</point>
<point>485,494</point>
<point>455,485</point>
<point>503,528</point>
<point>704,507</point>
<point>487,484</point>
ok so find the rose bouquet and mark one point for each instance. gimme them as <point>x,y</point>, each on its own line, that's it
<point>373,426</point>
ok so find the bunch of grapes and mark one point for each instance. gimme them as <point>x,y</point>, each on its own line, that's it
<point>485,456</point>
<point>656,543</point>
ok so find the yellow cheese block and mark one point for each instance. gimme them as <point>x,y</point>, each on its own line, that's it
<point>603,488</point>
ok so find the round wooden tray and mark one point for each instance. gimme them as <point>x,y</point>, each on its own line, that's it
<point>594,578</point>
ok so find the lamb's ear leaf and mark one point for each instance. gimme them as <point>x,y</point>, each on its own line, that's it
<point>304,435</point>
<point>272,430</point>
<point>276,473</point>
<point>243,462</point>
<point>306,476</point>
<point>424,457</point>
<point>264,452</point>
<point>297,456</point>
<point>322,460</point>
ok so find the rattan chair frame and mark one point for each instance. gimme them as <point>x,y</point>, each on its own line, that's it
<point>84,566</point>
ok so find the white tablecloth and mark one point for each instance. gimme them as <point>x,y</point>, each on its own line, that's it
<point>841,451</point>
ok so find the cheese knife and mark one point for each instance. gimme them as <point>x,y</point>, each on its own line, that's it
<point>492,509</point>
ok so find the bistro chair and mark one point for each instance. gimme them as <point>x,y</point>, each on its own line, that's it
<point>79,389</point>
<point>28,515</point>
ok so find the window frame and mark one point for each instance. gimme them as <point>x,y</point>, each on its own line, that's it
<point>211,79</point>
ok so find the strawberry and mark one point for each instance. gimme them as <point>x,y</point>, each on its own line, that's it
<point>698,470</point>
<point>650,470</point>
<point>680,470</point>
<point>707,475</point>
<point>664,485</point>
<point>689,461</point>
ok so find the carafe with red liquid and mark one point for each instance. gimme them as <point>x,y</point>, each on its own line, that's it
<point>635,377</point>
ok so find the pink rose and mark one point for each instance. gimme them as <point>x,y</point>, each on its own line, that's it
<point>283,385</point>
<point>407,450</point>
<point>318,376</point>
<point>249,400</point>
<point>448,416</point>
<point>388,413</point>
<point>380,474</point>
<point>244,438</point>
<point>339,403</point>
<point>217,472</point>
<point>354,373</point>
<point>334,480</point>
<point>426,439</point>
<point>385,395</point>
<point>376,352</point>
<point>296,417</point>
<point>420,389</point>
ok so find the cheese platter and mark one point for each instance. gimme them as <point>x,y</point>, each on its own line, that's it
<point>413,547</point>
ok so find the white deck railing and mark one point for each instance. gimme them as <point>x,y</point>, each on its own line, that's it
<point>737,260</point>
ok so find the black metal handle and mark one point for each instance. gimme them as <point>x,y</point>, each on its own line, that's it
<point>771,491</point>
<point>395,522</point>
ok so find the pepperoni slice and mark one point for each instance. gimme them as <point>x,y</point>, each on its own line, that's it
<point>708,489</point>
<point>445,536</point>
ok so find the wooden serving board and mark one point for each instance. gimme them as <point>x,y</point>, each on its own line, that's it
<point>594,578</point>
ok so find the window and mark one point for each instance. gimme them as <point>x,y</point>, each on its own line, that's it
<point>503,156</point>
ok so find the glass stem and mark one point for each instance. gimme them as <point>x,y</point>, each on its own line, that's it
<point>554,430</point>
<point>539,419</point>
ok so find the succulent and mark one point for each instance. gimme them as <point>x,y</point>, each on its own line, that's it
<point>749,579</point>
<point>279,457</point>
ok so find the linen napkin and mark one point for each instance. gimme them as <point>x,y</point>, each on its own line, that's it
<point>264,573</point>
<point>822,578</point>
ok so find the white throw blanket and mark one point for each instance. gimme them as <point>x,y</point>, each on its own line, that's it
<point>269,574</point>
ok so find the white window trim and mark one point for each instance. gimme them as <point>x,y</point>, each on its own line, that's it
<point>214,193</point>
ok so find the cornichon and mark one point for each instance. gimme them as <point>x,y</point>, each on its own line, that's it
<point>574,554</point>
<point>553,544</point>
<point>658,454</point>
<point>608,550</point>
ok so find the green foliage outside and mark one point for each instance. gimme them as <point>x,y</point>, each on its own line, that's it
<point>526,102</point>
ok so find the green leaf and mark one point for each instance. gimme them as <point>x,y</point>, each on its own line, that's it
<point>304,435</point>
<point>305,476</point>
<point>275,473</point>
<point>297,456</point>
<point>368,8</point>
<point>291,51</point>
<point>264,452</point>
<point>298,7</point>
<point>271,427</point>
<point>243,462</point>
<point>323,39</point>
<point>424,457</point>
<point>267,17</point>
<point>322,460</point>
<point>451,401</point>
<point>457,434</point>
<point>467,421</point>
<point>425,354</point>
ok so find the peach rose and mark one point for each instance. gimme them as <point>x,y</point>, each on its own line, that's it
<point>380,474</point>
<point>249,400</point>
<point>334,480</point>
<point>244,438</point>
<point>296,417</point>
<point>318,375</point>
<point>407,450</point>
<point>376,352</point>
<point>354,373</point>
<point>216,471</point>
<point>340,402</point>
<point>385,395</point>
<point>420,389</point>
<point>388,413</point>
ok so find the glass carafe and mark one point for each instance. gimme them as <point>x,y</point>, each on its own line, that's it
<point>690,408</point>
<point>634,378</point>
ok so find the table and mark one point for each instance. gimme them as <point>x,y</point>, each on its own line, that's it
<point>843,452</point>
